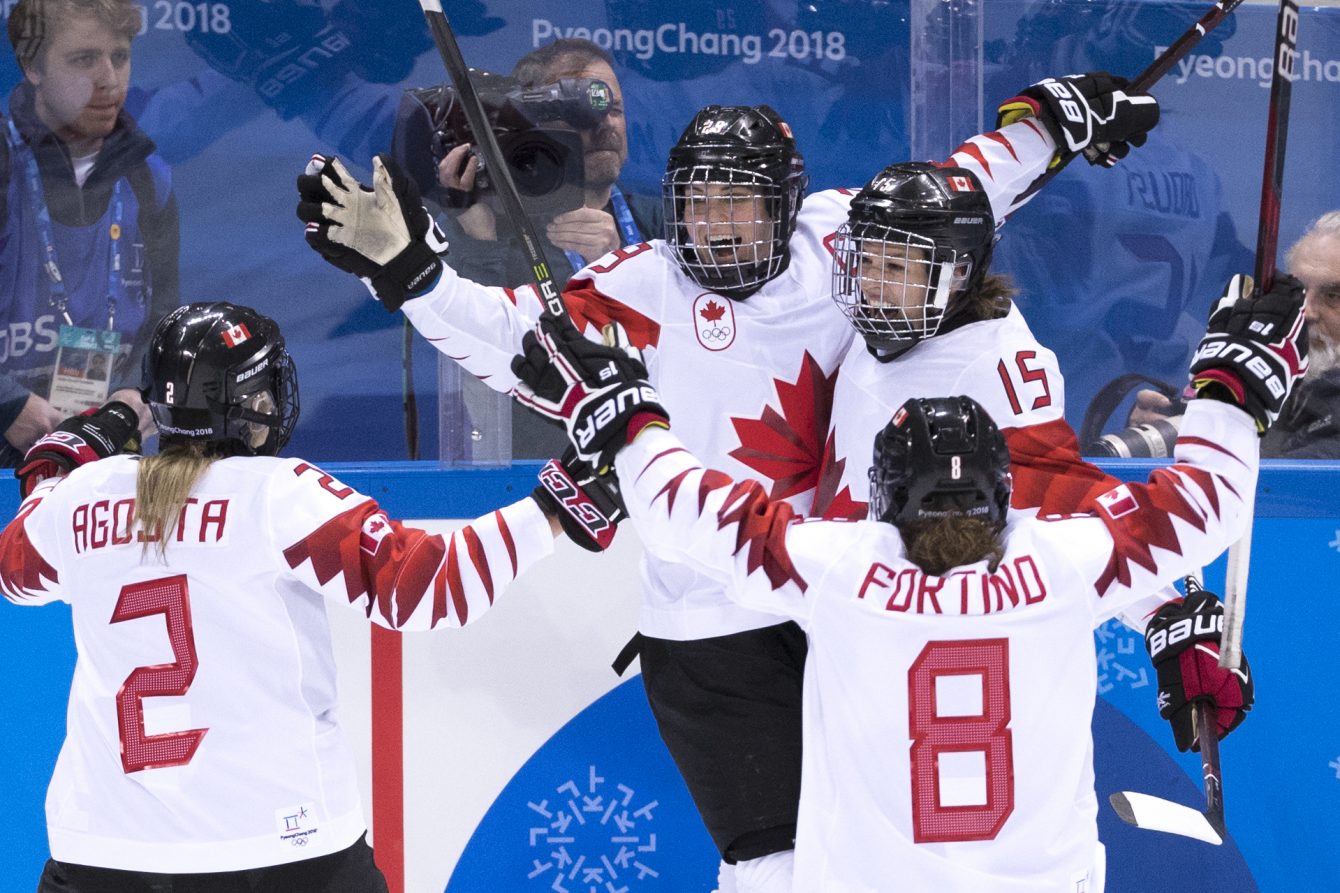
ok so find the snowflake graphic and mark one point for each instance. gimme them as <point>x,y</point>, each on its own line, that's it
<point>1115,640</point>
<point>593,838</point>
<point>1335,543</point>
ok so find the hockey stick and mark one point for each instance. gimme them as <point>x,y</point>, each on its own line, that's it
<point>491,155</point>
<point>1156,814</point>
<point>1157,69</point>
<point>1267,243</point>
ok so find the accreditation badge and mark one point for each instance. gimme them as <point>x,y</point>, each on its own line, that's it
<point>84,362</point>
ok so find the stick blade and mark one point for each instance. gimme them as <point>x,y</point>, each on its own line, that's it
<point>1157,814</point>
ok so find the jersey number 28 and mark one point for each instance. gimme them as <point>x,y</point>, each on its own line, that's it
<point>936,735</point>
<point>170,597</point>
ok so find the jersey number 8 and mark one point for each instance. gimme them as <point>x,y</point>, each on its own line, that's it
<point>935,734</point>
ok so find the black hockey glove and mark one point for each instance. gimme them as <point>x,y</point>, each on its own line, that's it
<point>1255,348</point>
<point>95,434</point>
<point>588,506</point>
<point>1089,113</point>
<point>1183,644</point>
<point>599,391</point>
<point>382,235</point>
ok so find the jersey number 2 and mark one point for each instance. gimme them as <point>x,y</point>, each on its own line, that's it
<point>167,596</point>
<point>934,734</point>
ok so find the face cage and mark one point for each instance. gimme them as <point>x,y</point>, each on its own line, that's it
<point>909,308</point>
<point>241,422</point>
<point>757,249</point>
<point>879,493</point>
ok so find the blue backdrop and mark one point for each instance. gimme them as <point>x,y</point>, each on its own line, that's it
<point>1117,267</point>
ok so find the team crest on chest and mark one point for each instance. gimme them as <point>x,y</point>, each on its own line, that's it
<point>714,321</point>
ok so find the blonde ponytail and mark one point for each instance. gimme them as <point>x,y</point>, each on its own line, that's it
<point>162,486</point>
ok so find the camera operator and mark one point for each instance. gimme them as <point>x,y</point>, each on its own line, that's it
<point>599,219</point>
<point>1309,422</point>
<point>606,220</point>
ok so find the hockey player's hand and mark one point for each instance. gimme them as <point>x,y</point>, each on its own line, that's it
<point>96,434</point>
<point>1089,113</point>
<point>588,506</point>
<point>1255,348</point>
<point>1183,644</point>
<point>599,391</point>
<point>382,235</point>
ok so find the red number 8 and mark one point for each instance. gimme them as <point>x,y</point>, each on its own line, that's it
<point>987,733</point>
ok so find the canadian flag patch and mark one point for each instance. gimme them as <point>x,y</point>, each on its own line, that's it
<point>235,335</point>
<point>960,184</point>
<point>1118,501</point>
<point>375,529</point>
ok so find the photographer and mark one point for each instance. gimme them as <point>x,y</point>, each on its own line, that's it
<point>606,219</point>
<point>575,206</point>
<point>1309,423</point>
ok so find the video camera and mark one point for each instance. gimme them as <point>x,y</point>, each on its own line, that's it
<point>537,130</point>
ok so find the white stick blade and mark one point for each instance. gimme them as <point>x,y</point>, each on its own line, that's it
<point>1157,814</point>
<point>431,5</point>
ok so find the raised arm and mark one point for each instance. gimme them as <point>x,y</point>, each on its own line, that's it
<point>342,544</point>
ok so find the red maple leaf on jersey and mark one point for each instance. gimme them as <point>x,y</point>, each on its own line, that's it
<point>829,501</point>
<point>784,446</point>
<point>712,311</point>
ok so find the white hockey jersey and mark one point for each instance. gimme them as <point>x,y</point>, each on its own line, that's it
<point>202,732</point>
<point>748,383</point>
<point>996,362</point>
<point>947,741</point>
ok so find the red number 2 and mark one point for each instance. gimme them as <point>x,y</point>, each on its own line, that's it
<point>987,733</point>
<point>167,596</point>
<point>1028,375</point>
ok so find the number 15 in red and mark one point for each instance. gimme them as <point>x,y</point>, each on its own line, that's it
<point>167,596</point>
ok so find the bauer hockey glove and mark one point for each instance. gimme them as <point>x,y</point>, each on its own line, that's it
<point>1088,113</point>
<point>1183,644</point>
<point>382,235</point>
<point>588,506</point>
<point>1254,349</point>
<point>599,391</point>
<point>95,434</point>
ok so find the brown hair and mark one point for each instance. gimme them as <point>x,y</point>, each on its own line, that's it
<point>31,21</point>
<point>939,546</point>
<point>162,486</point>
<point>992,297</point>
<point>542,65</point>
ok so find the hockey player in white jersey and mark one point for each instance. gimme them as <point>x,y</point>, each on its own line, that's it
<point>731,311</point>
<point>911,271</point>
<point>204,749</point>
<point>952,675</point>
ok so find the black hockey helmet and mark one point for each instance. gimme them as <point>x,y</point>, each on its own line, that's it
<point>925,235</point>
<point>747,146</point>
<point>940,458</point>
<point>219,373</point>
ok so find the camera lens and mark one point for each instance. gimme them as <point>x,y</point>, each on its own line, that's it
<point>1154,440</point>
<point>538,166</point>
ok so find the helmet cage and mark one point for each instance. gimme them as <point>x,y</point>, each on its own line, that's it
<point>243,403</point>
<point>889,311</point>
<point>745,219</point>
